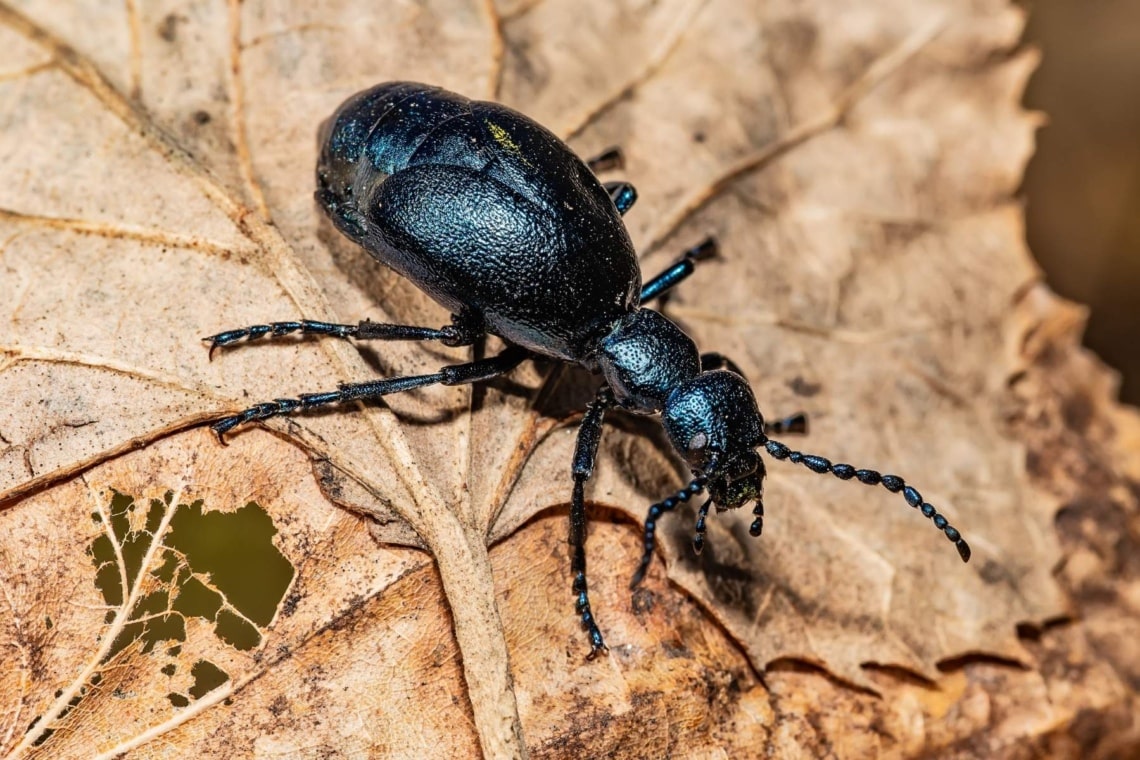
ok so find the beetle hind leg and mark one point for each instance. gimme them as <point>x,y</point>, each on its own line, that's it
<point>461,332</point>
<point>454,374</point>
<point>623,194</point>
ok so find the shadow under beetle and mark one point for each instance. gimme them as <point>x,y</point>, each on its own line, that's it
<point>500,222</point>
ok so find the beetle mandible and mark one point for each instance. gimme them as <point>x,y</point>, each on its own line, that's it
<point>501,223</point>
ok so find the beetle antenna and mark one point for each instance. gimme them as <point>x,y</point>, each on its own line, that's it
<point>892,483</point>
<point>696,485</point>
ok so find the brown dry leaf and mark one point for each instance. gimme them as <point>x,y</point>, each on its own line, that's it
<point>857,163</point>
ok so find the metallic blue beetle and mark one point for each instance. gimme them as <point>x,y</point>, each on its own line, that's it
<point>500,222</point>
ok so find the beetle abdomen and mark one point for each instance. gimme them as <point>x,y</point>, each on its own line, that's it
<point>482,208</point>
<point>371,136</point>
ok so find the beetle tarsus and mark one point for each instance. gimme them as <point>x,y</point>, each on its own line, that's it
<point>459,333</point>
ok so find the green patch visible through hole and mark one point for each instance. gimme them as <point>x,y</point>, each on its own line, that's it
<point>239,577</point>
<point>207,677</point>
<point>215,566</point>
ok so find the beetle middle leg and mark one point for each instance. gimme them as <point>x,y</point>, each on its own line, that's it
<point>585,454</point>
<point>623,194</point>
<point>461,332</point>
<point>453,374</point>
<point>674,275</point>
<point>716,360</point>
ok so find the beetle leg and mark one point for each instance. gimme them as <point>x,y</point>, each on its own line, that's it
<point>672,276</point>
<point>454,374</point>
<point>459,333</point>
<point>623,194</point>
<point>585,454</point>
<point>610,158</point>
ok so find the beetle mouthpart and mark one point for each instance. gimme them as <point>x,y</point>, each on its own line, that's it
<point>757,526</point>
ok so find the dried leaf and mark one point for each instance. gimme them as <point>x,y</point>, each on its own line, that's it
<point>857,164</point>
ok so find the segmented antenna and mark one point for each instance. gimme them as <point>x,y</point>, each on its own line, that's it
<point>655,512</point>
<point>892,483</point>
<point>668,505</point>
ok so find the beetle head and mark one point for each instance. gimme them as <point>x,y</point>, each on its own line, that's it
<point>713,421</point>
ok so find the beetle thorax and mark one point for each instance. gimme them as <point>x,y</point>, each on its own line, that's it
<point>644,357</point>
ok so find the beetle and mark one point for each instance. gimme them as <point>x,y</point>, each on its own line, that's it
<point>503,225</point>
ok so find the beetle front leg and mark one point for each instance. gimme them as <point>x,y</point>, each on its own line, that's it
<point>585,454</point>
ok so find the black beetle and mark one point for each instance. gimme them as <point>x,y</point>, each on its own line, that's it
<point>501,223</point>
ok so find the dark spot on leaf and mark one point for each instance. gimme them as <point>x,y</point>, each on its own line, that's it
<point>44,736</point>
<point>643,601</point>
<point>802,387</point>
<point>289,606</point>
<point>168,27</point>
<point>993,573</point>
<point>791,43</point>
<point>207,677</point>
<point>978,658</point>
<point>1077,411</point>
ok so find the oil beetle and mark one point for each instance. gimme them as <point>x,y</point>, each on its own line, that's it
<point>497,220</point>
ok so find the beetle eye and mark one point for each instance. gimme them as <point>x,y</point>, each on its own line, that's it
<point>698,442</point>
